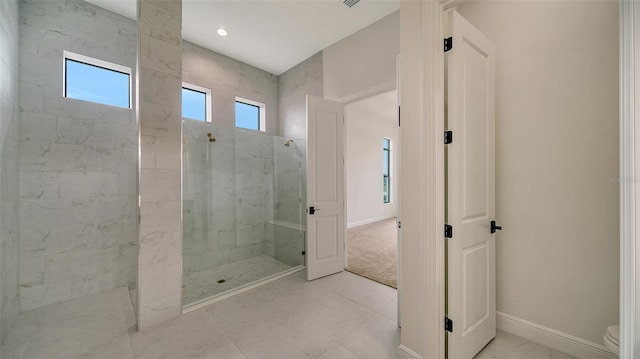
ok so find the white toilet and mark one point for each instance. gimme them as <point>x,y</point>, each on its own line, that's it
<point>612,338</point>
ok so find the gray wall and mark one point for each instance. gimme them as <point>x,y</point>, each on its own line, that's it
<point>9,300</point>
<point>367,122</point>
<point>363,63</point>
<point>302,79</point>
<point>228,78</point>
<point>556,161</point>
<point>78,160</point>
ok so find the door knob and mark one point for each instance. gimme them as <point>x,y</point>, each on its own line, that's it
<point>312,210</point>
<point>495,228</point>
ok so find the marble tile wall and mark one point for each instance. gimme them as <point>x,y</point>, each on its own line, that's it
<point>284,243</point>
<point>228,78</point>
<point>230,190</point>
<point>9,225</point>
<point>78,160</point>
<point>254,186</point>
<point>293,85</point>
<point>290,180</point>
<point>299,81</point>
<point>209,194</point>
<point>159,113</point>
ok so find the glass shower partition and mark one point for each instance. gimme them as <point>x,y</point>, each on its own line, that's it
<point>243,208</point>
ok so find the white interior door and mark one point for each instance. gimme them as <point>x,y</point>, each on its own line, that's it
<point>326,228</point>
<point>471,300</point>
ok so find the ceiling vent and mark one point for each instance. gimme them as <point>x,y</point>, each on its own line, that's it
<point>350,3</point>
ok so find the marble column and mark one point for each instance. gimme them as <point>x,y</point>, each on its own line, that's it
<point>159,102</point>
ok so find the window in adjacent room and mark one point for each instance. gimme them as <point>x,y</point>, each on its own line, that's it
<point>250,114</point>
<point>95,80</point>
<point>386,170</point>
<point>196,102</point>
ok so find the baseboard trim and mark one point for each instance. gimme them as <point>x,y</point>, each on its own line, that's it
<point>368,221</point>
<point>408,353</point>
<point>552,338</point>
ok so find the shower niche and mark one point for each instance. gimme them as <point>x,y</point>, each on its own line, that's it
<point>243,208</point>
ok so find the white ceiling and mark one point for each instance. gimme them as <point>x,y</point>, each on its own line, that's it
<point>273,35</point>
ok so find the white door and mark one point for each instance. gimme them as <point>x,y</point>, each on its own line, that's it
<point>470,189</point>
<point>325,188</point>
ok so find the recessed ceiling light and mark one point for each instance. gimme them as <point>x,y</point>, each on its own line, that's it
<point>222,32</point>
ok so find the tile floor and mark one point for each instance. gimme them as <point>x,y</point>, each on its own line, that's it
<point>204,284</point>
<point>509,346</point>
<point>340,316</point>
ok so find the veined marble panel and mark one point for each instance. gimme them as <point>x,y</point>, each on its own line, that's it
<point>303,79</point>
<point>228,78</point>
<point>160,241</point>
<point>9,181</point>
<point>78,159</point>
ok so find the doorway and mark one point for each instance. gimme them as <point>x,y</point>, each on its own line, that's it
<point>372,187</point>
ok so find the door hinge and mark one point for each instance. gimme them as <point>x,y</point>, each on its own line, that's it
<point>303,253</point>
<point>448,44</point>
<point>448,324</point>
<point>448,231</point>
<point>399,224</point>
<point>448,137</point>
<point>398,116</point>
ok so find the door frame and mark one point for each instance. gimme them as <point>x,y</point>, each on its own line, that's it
<point>422,100</point>
<point>421,87</point>
<point>629,200</point>
<point>379,90</point>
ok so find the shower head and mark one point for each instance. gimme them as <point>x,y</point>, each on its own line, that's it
<point>212,138</point>
<point>288,143</point>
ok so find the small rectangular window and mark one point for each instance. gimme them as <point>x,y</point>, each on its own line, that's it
<point>95,80</point>
<point>386,170</point>
<point>250,114</point>
<point>196,102</point>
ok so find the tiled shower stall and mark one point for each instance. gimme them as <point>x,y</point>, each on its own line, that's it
<point>75,194</point>
<point>241,223</point>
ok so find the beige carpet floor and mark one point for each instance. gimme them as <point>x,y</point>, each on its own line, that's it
<point>372,252</point>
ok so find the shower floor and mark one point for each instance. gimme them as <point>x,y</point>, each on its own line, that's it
<point>205,284</point>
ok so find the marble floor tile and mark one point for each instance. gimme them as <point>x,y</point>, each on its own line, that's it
<point>192,335</point>
<point>294,291</point>
<point>359,289</point>
<point>17,341</point>
<point>291,283</point>
<point>378,337</point>
<point>204,284</point>
<point>271,349</point>
<point>336,316</point>
<point>288,318</point>
<point>337,351</point>
<point>119,347</point>
<point>247,318</point>
<point>508,346</point>
<point>302,335</point>
<point>129,310</point>
<point>390,310</point>
<point>93,324</point>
